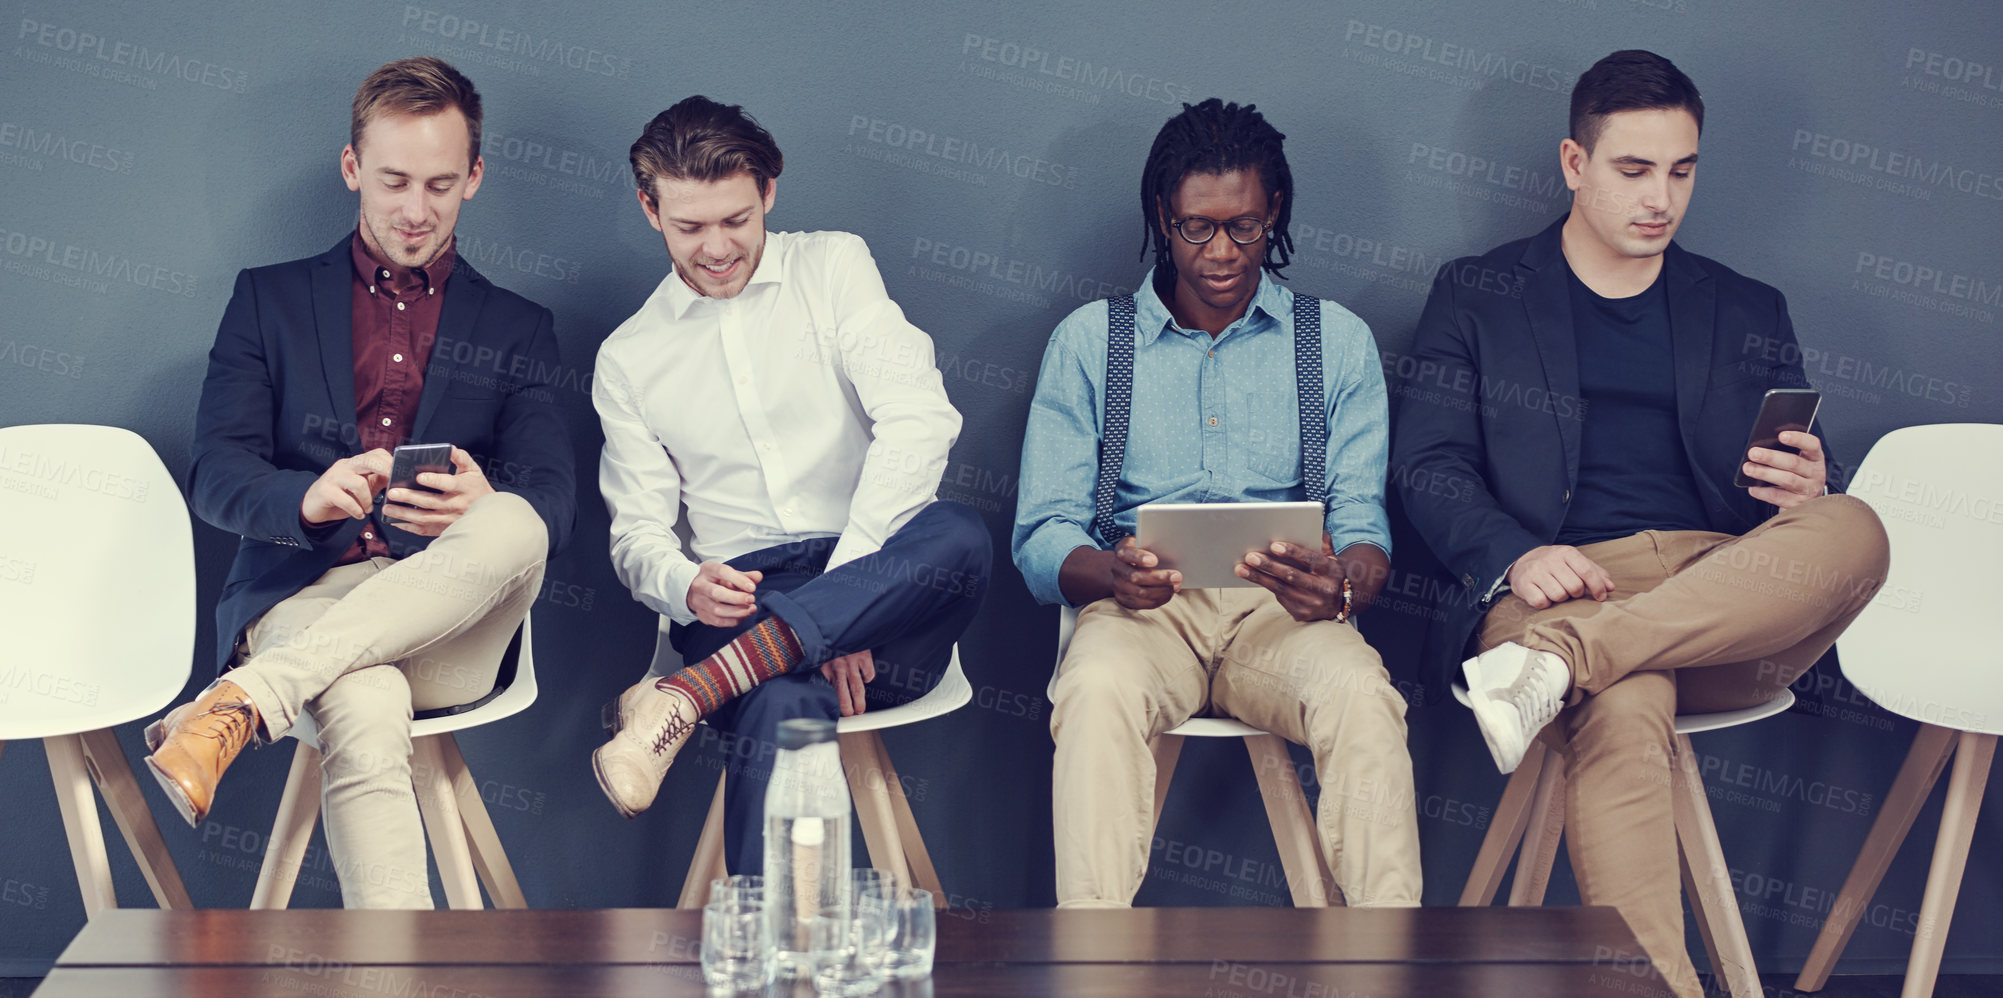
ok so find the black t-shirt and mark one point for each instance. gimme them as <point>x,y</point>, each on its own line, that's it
<point>1634,473</point>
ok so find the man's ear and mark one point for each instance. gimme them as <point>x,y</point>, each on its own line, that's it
<point>653,211</point>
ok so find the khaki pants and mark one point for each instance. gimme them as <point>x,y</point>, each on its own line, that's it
<point>365,644</point>
<point>1698,622</point>
<point>1131,675</point>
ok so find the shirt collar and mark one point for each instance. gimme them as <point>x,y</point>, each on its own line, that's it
<point>1152,317</point>
<point>400,281</point>
<point>771,270</point>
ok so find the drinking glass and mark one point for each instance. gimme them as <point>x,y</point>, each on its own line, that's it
<point>741,887</point>
<point>847,947</point>
<point>736,945</point>
<point>911,935</point>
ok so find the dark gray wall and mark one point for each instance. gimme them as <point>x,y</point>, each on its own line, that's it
<point>147,152</point>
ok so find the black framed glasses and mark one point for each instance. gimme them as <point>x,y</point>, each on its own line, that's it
<point>1243,230</point>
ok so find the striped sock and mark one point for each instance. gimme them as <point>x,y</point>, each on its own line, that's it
<point>764,651</point>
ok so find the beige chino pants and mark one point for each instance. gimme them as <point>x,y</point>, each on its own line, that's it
<point>1131,675</point>
<point>368,643</point>
<point>1697,622</point>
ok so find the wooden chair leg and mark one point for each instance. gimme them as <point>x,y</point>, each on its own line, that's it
<point>867,781</point>
<point>291,831</point>
<point>1921,770</point>
<point>916,856</point>
<point>1293,827</point>
<point>443,824</point>
<point>1167,749</point>
<point>1505,832</point>
<point>705,865</point>
<point>107,765</point>
<point>1542,832</point>
<point>1707,879</point>
<point>490,861</point>
<point>1972,759</point>
<point>79,809</point>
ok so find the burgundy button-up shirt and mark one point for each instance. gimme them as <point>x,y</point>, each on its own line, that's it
<point>395,323</point>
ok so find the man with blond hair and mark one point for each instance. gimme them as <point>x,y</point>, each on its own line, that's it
<point>350,601</point>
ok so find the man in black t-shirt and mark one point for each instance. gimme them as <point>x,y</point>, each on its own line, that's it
<point>1570,460</point>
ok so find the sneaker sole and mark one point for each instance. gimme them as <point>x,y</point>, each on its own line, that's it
<point>175,795</point>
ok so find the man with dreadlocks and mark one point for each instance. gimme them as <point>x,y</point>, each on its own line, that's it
<point>1235,390</point>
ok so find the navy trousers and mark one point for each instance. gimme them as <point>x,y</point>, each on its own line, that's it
<point>907,603</point>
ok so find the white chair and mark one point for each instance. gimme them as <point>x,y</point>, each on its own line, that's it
<point>889,829</point>
<point>1926,648</point>
<point>1532,815</point>
<point>97,599</point>
<point>1308,877</point>
<point>462,835</point>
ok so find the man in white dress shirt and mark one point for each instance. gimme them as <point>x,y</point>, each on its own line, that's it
<point>772,387</point>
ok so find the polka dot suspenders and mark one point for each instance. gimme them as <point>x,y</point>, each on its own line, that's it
<point>1120,403</point>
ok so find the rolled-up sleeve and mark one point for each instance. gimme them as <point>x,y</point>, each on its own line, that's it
<point>1359,438</point>
<point>1060,455</point>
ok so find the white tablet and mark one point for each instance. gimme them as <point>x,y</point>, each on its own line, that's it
<point>1203,540</point>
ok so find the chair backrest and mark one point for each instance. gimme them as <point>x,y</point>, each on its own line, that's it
<point>97,580</point>
<point>1927,645</point>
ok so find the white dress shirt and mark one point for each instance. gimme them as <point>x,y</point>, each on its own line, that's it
<point>807,406</point>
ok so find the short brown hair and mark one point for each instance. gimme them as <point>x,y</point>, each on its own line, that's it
<point>421,85</point>
<point>700,139</point>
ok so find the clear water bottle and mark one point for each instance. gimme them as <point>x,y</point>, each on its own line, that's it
<point>806,838</point>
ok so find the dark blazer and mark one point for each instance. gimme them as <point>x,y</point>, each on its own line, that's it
<point>1485,447</point>
<point>278,407</point>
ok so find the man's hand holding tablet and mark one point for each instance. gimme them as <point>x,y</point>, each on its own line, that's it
<point>1318,585</point>
<point>1129,574</point>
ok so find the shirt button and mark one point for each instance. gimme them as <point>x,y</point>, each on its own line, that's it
<point>385,274</point>
<point>368,536</point>
<point>1213,353</point>
<point>385,420</point>
<point>765,447</point>
<point>743,379</point>
<point>399,306</point>
<point>396,357</point>
<point>372,289</point>
<point>1567,497</point>
<point>1213,420</point>
<point>431,291</point>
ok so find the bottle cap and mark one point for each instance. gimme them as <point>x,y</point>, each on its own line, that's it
<point>800,732</point>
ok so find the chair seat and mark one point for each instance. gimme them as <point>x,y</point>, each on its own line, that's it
<point>952,693</point>
<point>1214,727</point>
<point>1690,724</point>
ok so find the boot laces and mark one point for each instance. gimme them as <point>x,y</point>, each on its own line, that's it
<point>238,724</point>
<point>1532,704</point>
<point>673,729</point>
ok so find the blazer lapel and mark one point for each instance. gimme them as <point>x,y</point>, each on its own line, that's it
<point>334,319</point>
<point>1547,305</point>
<point>464,291</point>
<point>1693,310</point>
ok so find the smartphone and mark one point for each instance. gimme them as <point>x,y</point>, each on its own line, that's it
<point>1782,409</point>
<point>411,460</point>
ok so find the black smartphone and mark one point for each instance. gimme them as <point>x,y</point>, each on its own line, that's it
<point>412,460</point>
<point>1782,409</point>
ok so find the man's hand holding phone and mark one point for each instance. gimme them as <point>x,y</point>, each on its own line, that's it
<point>1792,479</point>
<point>722,596</point>
<point>427,514</point>
<point>346,490</point>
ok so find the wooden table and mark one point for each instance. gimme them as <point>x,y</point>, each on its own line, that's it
<point>1211,952</point>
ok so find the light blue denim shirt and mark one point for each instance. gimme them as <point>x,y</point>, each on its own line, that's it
<point>1214,420</point>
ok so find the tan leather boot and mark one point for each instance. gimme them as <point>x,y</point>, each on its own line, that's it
<point>649,727</point>
<point>195,743</point>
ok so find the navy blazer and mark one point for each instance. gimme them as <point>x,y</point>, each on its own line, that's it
<point>1485,448</point>
<point>278,408</point>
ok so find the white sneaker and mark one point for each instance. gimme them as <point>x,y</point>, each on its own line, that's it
<point>649,727</point>
<point>1514,693</point>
